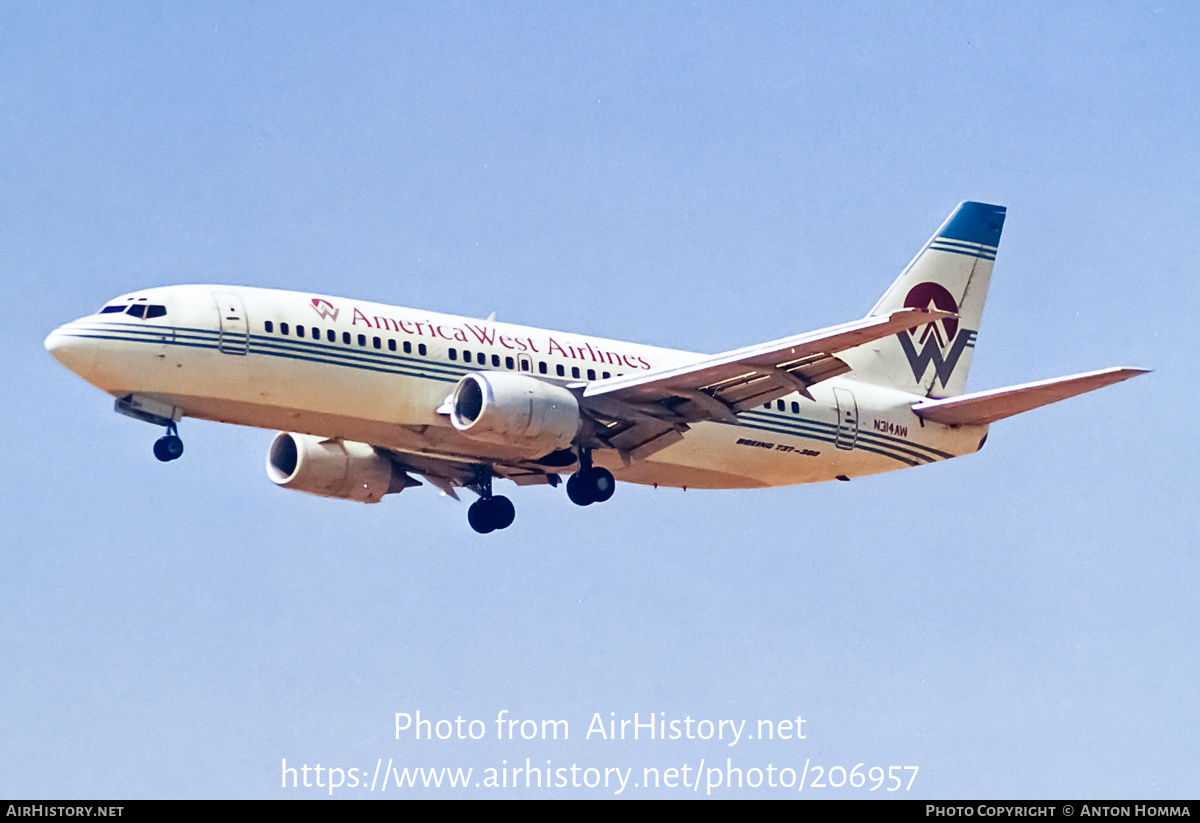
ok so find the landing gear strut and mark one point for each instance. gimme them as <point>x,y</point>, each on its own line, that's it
<point>489,513</point>
<point>591,484</point>
<point>170,446</point>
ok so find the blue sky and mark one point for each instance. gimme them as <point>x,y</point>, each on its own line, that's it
<point>1017,623</point>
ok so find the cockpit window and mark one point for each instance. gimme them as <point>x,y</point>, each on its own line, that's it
<point>140,309</point>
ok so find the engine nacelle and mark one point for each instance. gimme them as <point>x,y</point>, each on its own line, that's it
<point>332,468</point>
<point>515,410</point>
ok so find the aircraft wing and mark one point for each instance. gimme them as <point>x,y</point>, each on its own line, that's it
<point>642,413</point>
<point>989,406</point>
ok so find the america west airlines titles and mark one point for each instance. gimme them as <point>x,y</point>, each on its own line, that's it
<point>485,336</point>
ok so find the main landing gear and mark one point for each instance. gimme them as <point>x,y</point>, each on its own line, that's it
<point>591,484</point>
<point>489,513</point>
<point>170,446</point>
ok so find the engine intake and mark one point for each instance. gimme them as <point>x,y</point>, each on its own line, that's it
<point>333,468</point>
<point>515,410</point>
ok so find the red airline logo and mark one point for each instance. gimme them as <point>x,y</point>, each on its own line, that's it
<point>325,309</point>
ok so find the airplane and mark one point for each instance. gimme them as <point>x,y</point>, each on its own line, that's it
<point>369,397</point>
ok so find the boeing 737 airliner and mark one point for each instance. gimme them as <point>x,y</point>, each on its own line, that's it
<point>369,397</point>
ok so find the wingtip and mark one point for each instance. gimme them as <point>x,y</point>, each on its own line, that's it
<point>1128,372</point>
<point>918,316</point>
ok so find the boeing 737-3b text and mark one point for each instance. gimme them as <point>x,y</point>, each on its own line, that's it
<point>369,397</point>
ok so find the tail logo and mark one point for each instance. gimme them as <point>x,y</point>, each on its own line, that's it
<point>942,342</point>
<point>325,309</point>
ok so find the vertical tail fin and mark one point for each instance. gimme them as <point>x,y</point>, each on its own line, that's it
<point>951,272</point>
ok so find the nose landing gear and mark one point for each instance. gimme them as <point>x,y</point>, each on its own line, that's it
<point>169,447</point>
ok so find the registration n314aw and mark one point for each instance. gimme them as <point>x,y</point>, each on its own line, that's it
<point>368,398</point>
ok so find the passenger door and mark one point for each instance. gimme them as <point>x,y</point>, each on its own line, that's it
<point>847,414</point>
<point>234,335</point>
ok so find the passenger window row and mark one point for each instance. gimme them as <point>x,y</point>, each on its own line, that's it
<point>779,404</point>
<point>348,339</point>
<point>481,358</point>
<point>478,358</point>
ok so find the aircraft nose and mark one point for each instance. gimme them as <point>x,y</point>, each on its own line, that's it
<point>54,341</point>
<point>70,349</point>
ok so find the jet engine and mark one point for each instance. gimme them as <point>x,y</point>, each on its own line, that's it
<point>515,410</point>
<point>333,468</point>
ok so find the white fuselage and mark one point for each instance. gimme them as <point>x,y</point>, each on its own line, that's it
<point>378,374</point>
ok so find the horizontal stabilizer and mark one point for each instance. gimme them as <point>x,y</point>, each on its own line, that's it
<point>989,406</point>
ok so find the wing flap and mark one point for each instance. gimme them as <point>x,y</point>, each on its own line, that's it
<point>645,438</point>
<point>980,408</point>
<point>448,473</point>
